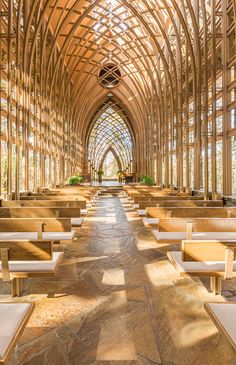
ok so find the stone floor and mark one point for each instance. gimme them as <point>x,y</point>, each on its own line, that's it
<point>116,300</point>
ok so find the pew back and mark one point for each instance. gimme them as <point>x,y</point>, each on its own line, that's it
<point>180,203</point>
<point>188,212</point>
<point>204,250</point>
<point>25,250</point>
<point>36,212</point>
<point>157,198</point>
<point>45,203</point>
<point>32,224</point>
<point>199,224</point>
<point>56,197</point>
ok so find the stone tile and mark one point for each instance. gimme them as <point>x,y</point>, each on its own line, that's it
<point>119,332</point>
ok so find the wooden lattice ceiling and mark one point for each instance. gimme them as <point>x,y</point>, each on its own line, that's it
<point>129,33</point>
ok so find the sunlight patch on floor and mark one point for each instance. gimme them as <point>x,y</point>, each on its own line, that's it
<point>145,245</point>
<point>195,332</point>
<point>114,276</point>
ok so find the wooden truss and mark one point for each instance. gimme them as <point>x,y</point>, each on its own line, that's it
<point>178,88</point>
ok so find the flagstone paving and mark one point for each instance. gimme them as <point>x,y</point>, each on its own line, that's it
<point>116,300</point>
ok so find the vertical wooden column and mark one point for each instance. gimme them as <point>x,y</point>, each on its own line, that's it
<point>9,100</point>
<point>1,68</point>
<point>25,99</point>
<point>186,99</point>
<point>227,157</point>
<point>197,99</point>
<point>18,103</point>
<point>213,104</point>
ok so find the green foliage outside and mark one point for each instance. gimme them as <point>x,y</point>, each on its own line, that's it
<point>74,180</point>
<point>147,180</point>
<point>100,172</point>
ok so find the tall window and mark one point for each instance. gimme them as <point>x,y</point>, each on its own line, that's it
<point>110,132</point>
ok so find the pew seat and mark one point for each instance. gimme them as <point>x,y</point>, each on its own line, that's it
<point>224,317</point>
<point>197,268</point>
<point>54,236</point>
<point>84,212</point>
<point>28,269</point>
<point>77,222</point>
<point>13,319</point>
<point>141,212</point>
<point>148,222</point>
<point>177,237</point>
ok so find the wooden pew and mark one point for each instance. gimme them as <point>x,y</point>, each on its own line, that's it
<point>84,200</point>
<point>137,199</point>
<point>13,318</point>
<point>23,259</point>
<point>81,192</point>
<point>143,205</point>
<point>213,258</point>
<point>43,212</point>
<point>174,230</point>
<point>36,228</point>
<point>45,203</point>
<point>224,317</point>
<point>57,197</point>
<point>188,212</point>
<point>154,214</point>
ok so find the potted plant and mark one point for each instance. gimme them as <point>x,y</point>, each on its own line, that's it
<point>146,180</point>
<point>75,180</point>
<point>100,174</point>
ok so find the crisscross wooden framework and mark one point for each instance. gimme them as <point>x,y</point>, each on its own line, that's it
<point>109,131</point>
<point>178,65</point>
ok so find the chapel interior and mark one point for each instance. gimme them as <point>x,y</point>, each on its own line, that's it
<point>117,182</point>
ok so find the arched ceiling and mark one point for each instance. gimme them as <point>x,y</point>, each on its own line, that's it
<point>139,36</point>
<point>157,45</point>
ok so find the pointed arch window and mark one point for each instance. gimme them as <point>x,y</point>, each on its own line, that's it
<point>110,132</point>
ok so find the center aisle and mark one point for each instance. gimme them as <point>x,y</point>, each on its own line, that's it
<point>122,328</point>
<point>116,300</point>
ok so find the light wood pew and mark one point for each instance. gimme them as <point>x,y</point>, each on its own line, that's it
<point>213,258</point>
<point>174,230</point>
<point>45,203</point>
<point>13,318</point>
<point>188,212</point>
<point>84,200</point>
<point>36,228</point>
<point>82,192</point>
<point>23,259</point>
<point>137,199</point>
<point>43,212</point>
<point>70,195</point>
<point>146,196</point>
<point>33,193</point>
<point>56,197</point>
<point>224,317</point>
<point>154,214</point>
<point>31,224</point>
<point>143,205</point>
